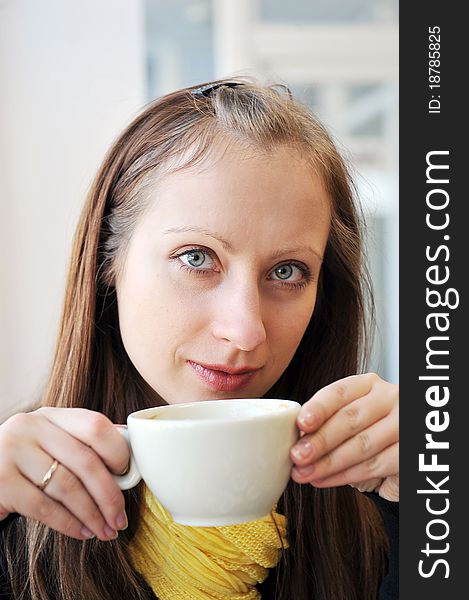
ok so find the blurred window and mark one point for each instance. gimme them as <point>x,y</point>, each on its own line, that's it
<point>326,11</point>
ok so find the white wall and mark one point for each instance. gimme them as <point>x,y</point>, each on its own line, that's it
<point>71,76</point>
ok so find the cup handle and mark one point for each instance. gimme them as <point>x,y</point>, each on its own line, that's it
<point>132,476</point>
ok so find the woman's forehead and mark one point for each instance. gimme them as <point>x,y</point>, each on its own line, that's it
<point>242,196</point>
<point>235,169</point>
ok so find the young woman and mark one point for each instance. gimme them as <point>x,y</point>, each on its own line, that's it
<point>219,255</point>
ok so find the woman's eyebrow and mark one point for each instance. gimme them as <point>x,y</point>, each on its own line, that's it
<point>294,250</point>
<point>189,228</point>
<point>229,246</point>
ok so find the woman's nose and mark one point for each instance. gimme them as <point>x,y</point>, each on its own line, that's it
<point>239,318</point>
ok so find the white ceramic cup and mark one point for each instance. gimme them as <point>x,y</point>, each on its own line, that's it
<point>214,462</point>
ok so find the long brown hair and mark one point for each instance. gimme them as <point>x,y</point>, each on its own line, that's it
<point>336,536</point>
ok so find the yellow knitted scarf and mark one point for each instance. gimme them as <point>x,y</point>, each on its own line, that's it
<point>205,563</point>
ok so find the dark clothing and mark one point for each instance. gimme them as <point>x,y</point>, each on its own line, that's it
<point>389,589</point>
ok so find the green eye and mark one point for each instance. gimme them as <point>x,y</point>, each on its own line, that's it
<point>291,275</point>
<point>195,258</point>
<point>284,271</point>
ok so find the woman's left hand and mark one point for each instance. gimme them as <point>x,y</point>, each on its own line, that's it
<point>350,435</point>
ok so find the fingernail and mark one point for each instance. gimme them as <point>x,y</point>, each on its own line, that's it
<point>122,521</point>
<point>86,533</point>
<point>302,449</point>
<point>110,533</point>
<point>306,419</point>
<point>126,470</point>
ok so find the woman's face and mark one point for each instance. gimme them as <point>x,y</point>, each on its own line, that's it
<point>219,280</point>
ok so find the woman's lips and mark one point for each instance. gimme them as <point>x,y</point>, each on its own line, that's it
<point>220,380</point>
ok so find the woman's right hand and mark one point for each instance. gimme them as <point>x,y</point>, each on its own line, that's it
<point>81,499</point>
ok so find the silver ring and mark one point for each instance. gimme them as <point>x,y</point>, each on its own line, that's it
<point>48,476</point>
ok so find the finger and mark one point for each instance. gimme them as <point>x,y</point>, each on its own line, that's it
<point>32,503</point>
<point>347,422</point>
<point>93,429</point>
<point>328,400</point>
<point>370,485</point>
<point>87,471</point>
<point>67,489</point>
<point>390,489</point>
<point>381,465</point>
<point>357,449</point>
<point>32,462</point>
